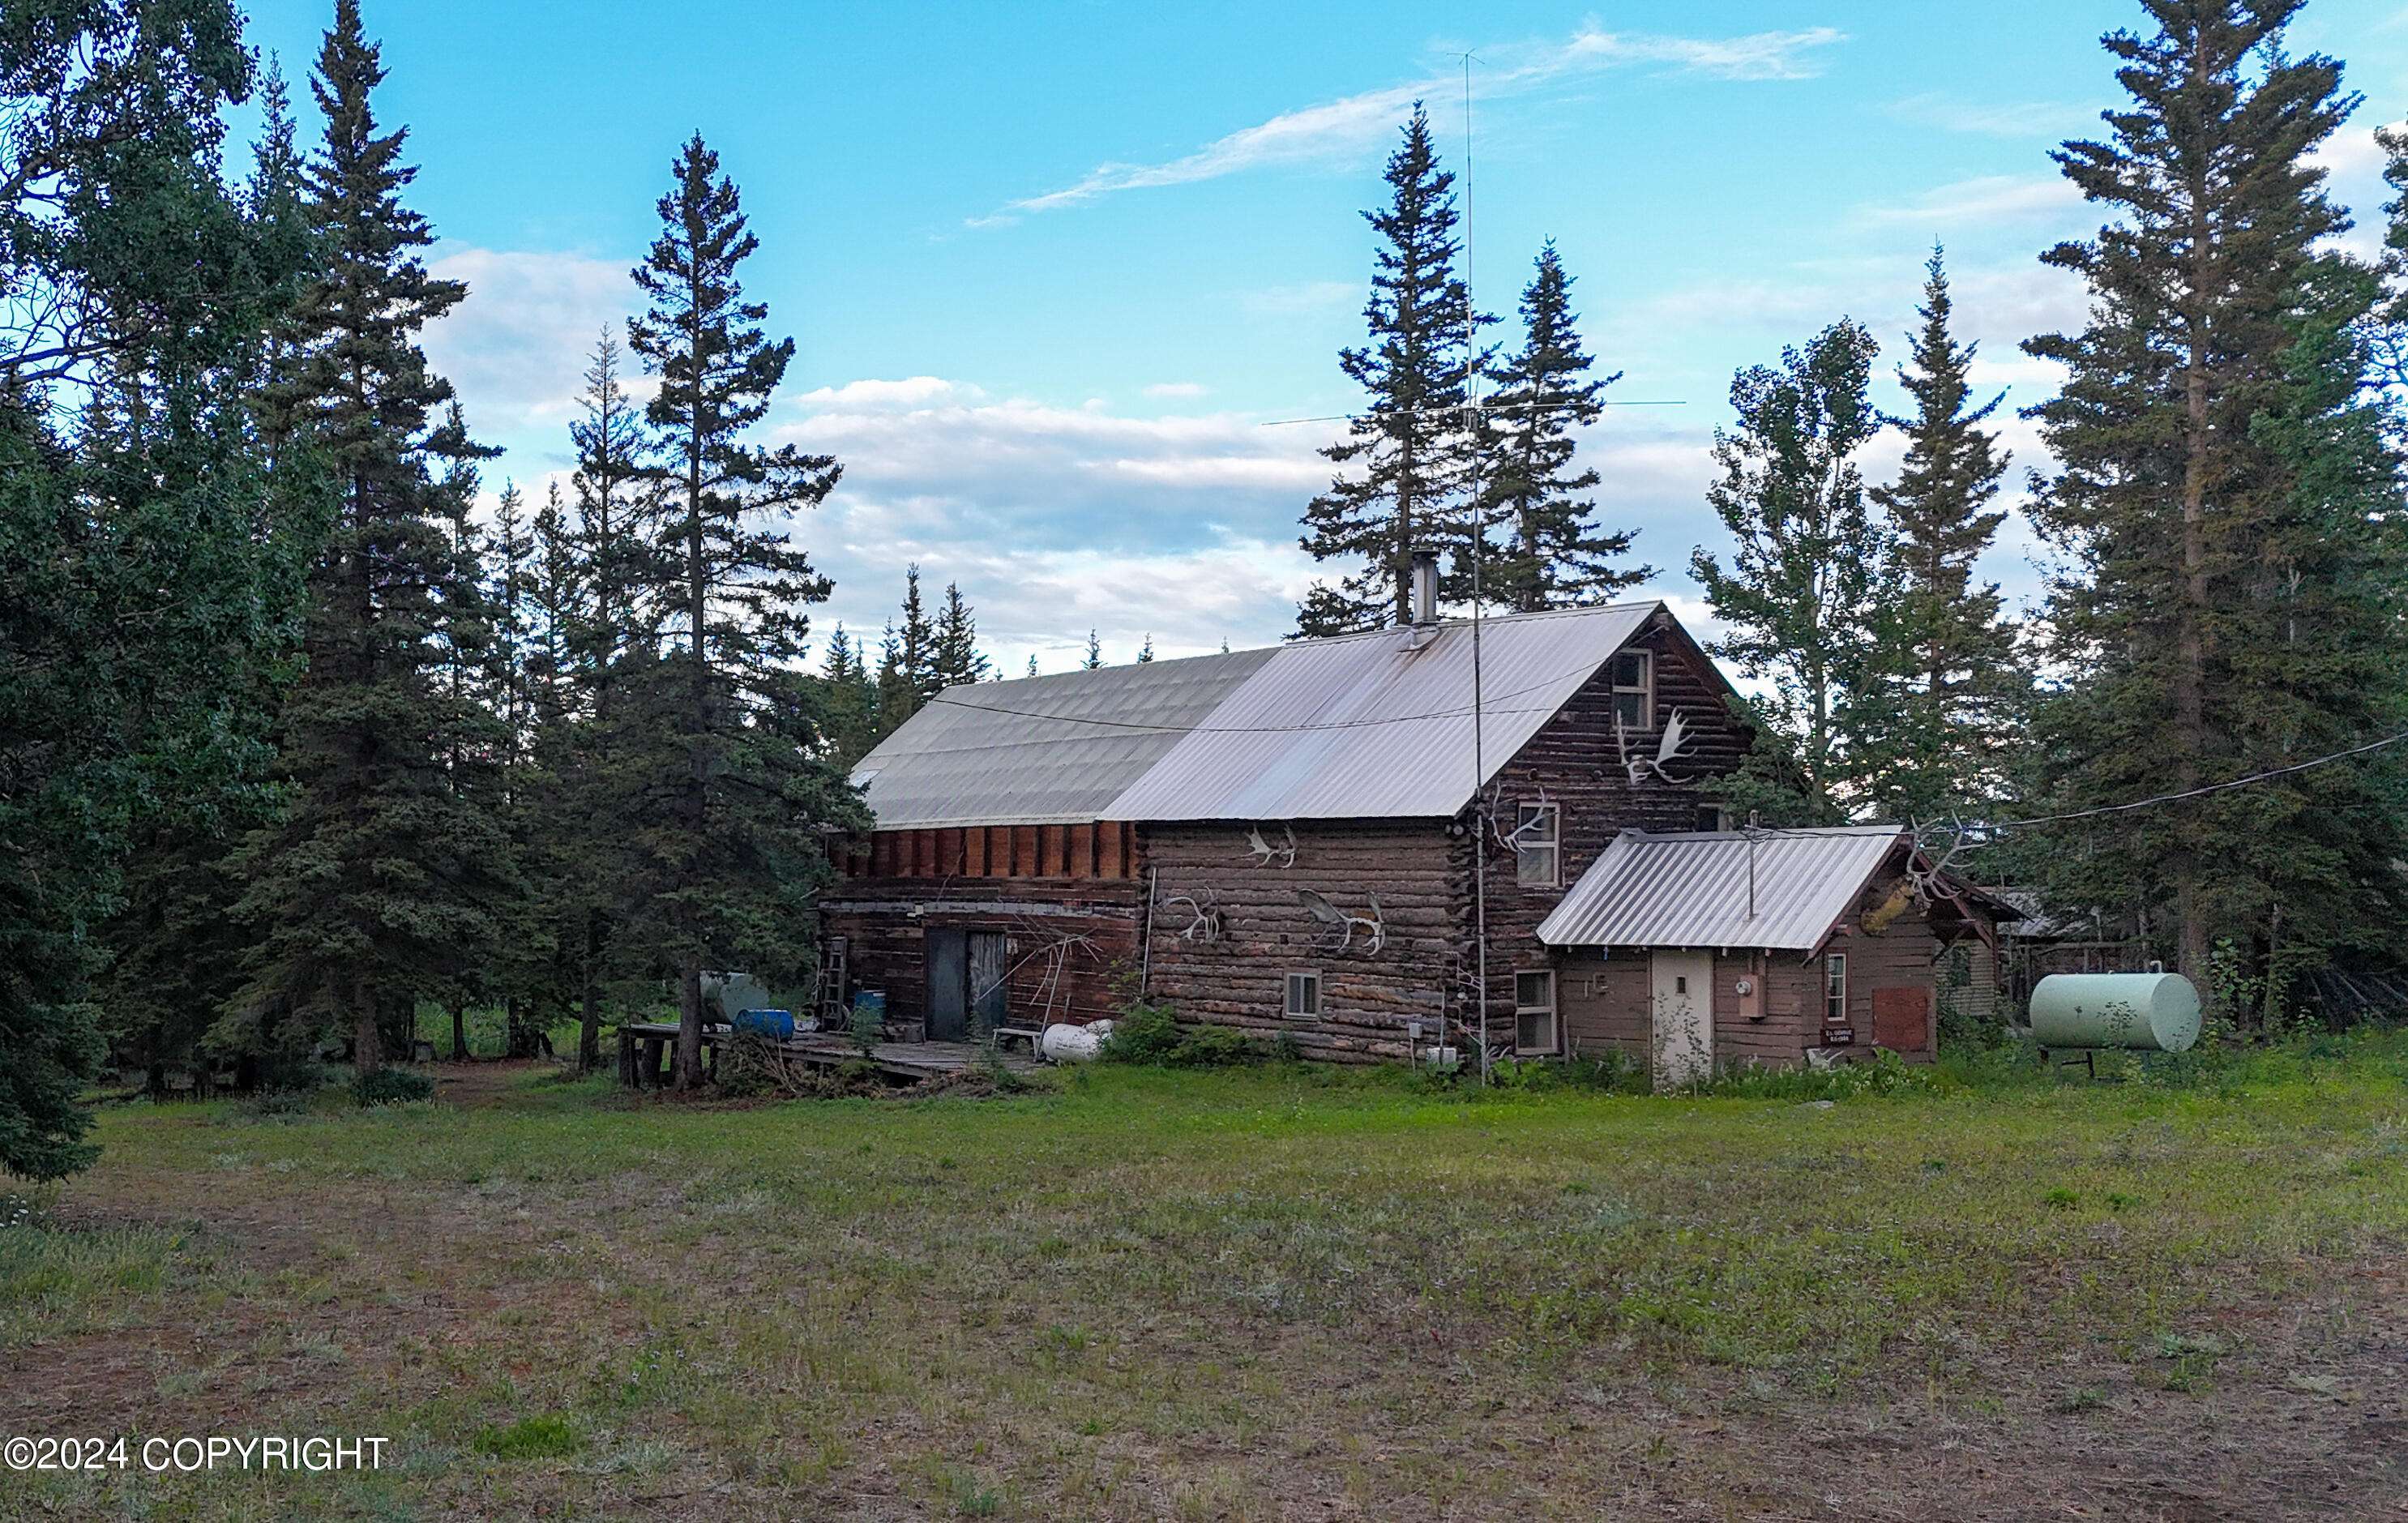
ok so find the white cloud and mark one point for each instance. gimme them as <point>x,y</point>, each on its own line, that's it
<point>1987,198</point>
<point>1342,129</point>
<point>516,349</point>
<point>1301,297</point>
<point>1174,388</point>
<point>2027,118</point>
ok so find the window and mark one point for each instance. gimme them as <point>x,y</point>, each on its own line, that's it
<point>1713,817</point>
<point>1634,690</point>
<point>1835,989</point>
<point>1304,996</point>
<point>1534,1012</point>
<point>1538,849</point>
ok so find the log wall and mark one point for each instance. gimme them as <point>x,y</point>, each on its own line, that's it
<point>1234,973</point>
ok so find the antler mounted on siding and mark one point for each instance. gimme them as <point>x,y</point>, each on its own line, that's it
<point>1334,919</point>
<point>1263,851</point>
<point>1671,748</point>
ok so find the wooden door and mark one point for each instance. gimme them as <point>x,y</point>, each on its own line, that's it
<point>990,974</point>
<point>1683,1018</point>
<point>1902,1018</point>
<point>948,955</point>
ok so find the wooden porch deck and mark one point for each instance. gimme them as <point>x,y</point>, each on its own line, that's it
<point>644,1046</point>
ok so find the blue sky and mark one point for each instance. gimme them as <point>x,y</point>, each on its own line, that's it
<point>1050,267</point>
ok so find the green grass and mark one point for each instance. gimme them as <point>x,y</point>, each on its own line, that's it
<point>1203,1293</point>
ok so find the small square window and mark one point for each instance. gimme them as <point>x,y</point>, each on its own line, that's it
<point>1534,1012</point>
<point>1538,853</point>
<point>1304,996</point>
<point>1634,690</point>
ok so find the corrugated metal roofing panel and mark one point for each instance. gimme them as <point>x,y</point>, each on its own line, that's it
<point>1042,750</point>
<point>1690,890</point>
<point>1378,726</point>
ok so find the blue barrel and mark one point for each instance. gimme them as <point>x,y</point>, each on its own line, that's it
<point>776,1024</point>
<point>869,1004</point>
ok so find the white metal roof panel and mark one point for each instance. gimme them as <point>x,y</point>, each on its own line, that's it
<point>1041,749</point>
<point>1380,724</point>
<point>1691,889</point>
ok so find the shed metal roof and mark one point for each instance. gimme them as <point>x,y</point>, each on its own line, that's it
<point>1691,889</point>
<point>1378,726</point>
<point>1042,750</point>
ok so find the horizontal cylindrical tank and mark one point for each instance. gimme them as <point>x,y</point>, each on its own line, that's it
<point>2150,1011</point>
<point>1065,1043</point>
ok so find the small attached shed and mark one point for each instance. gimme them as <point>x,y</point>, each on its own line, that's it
<point>1707,950</point>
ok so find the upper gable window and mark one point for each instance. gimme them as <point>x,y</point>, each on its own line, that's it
<point>1634,690</point>
<point>1538,840</point>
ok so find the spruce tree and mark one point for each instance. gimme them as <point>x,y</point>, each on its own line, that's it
<point>1407,460</point>
<point>2227,511</point>
<point>851,698</point>
<point>1094,656</point>
<point>732,866</point>
<point>954,655</point>
<point>1802,600</point>
<point>1550,555</point>
<point>365,894</point>
<point>1032,663</point>
<point>1145,651</point>
<point>1959,696</point>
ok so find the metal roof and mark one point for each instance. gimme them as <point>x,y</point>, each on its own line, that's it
<point>1691,889</point>
<point>1042,750</point>
<point>1378,726</point>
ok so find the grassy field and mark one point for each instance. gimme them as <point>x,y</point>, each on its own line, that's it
<point>1266,1294</point>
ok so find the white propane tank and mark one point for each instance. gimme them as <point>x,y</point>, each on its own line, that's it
<point>1065,1043</point>
<point>2150,1011</point>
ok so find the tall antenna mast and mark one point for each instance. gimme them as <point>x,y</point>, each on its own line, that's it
<point>1479,543</point>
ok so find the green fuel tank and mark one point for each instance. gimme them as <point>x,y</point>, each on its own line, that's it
<point>2148,1011</point>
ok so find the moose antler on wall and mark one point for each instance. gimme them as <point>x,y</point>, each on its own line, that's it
<point>1263,851</point>
<point>1671,749</point>
<point>1334,919</point>
<point>1205,922</point>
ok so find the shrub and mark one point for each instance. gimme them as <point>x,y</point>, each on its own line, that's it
<point>1884,1073</point>
<point>1146,1033</point>
<point>392,1086</point>
<point>544,1437</point>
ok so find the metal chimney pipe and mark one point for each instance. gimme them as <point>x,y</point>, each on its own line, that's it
<point>1425,587</point>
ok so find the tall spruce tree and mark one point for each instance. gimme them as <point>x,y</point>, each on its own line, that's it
<point>1551,554</point>
<point>851,699</point>
<point>1408,460</point>
<point>1958,695</point>
<point>1802,599</point>
<point>1095,653</point>
<point>734,860</point>
<point>2227,510</point>
<point>364,893</point>
<point>954,655</point>
<point>907,669</point>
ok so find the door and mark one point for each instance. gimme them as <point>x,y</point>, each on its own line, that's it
<point>1685,1018</point>
<point>990,978</point>
<point>948,953</point>
<point>1902,1018</point>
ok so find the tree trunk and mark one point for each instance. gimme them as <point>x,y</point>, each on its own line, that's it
<point>589,1030</point>
<point>367,1038</point>
<point>689,1042</point>
<point>459,1034</point>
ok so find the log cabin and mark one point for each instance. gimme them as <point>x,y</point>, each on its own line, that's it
<point>1303,843</point>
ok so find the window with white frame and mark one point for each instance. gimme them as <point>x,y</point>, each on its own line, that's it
<point>1634,690</point>
<point>1538,846</point>
<point>1304,996</point>
<point>1835,989</point>
<point>1534,1012</point>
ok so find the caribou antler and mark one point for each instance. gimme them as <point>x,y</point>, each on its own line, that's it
<point>1263,851</point>
<point>1333,918</point>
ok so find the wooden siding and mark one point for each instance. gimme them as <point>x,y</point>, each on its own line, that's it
<point>1073,942</point>
<point>1104,849</point>
<point>1607,1000</point>
<point>1238,978</point>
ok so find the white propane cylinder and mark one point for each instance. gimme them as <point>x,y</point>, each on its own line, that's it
<point>1065,1043</point>
<point>2150,1011</point>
